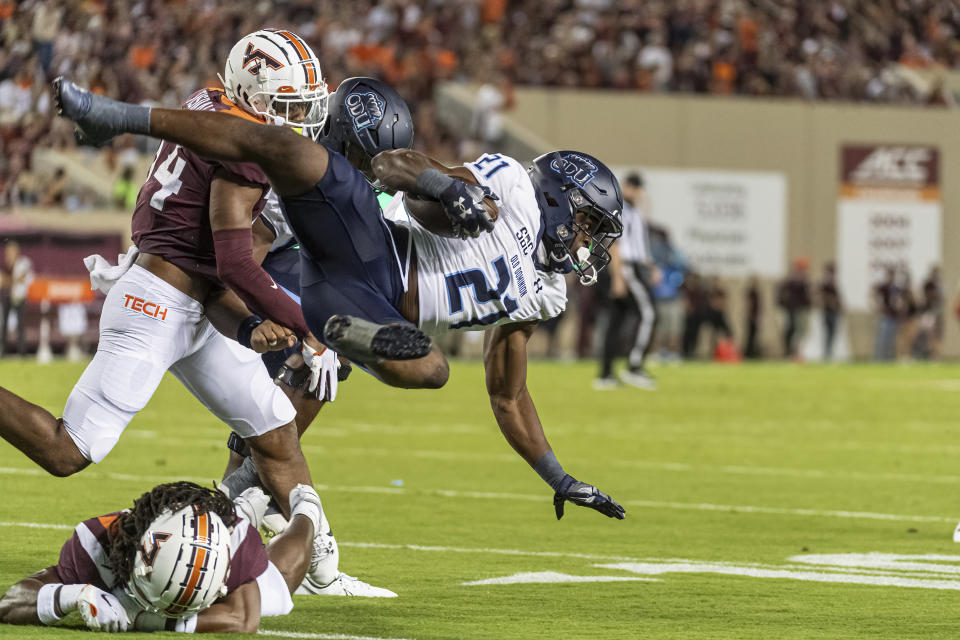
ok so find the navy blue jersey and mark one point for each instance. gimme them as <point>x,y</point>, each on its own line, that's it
<point>349,260</point>
<point>283,265</point>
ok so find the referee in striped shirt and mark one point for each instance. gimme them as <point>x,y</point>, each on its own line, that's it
<point>632,277</point>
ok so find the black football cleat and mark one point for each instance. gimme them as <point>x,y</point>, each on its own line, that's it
<point>98,118</point>
<point>364,341</point>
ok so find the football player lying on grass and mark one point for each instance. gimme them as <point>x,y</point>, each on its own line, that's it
<point>184,558</point>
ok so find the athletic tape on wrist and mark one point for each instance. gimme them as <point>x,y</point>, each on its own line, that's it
<point>308,509</point>
<point>549,469</point>
<point>433,183</point>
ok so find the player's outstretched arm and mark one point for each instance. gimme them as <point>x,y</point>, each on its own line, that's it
<point>448,198</point>
<point>41,599</point>
<point>292,162</point>
<point>505,362</point>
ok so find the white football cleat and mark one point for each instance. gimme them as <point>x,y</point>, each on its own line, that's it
<point>956,534</point>
<point>605,384</point>
<point>639,379</point>
<point>343,585</point>
<point>324,577</point>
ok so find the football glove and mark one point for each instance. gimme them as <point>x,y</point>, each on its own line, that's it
<point>101,611</point>
<point>253,504</point>
<point>463,204</point>
<point>585,495</point>
<point>323,367</point>
<point>319,378</point>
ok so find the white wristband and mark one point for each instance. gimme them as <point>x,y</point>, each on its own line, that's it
<point>46,609</point>
<point>309,510</point>
<point>146,621</point>
<point>186,625</point>
<point>54,596</point>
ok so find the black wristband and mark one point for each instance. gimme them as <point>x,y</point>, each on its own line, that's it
<point>237,444</point>
<point>245,331</point>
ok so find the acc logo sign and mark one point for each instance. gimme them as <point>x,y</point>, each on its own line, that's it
<point>574,166</point>
<point>365,108</point>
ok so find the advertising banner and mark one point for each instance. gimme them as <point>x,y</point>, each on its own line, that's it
<point>889,214</point>
<point>727,223</point>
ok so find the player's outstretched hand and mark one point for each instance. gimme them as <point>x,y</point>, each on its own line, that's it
<point>269,336</point>
<point>585,495</point>
<point>101,611</point>
<point>463,204</point>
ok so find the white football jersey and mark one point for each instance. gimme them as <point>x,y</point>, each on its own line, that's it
<point>475,283</point>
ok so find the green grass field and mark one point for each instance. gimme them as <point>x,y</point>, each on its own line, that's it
<point>736,480</point>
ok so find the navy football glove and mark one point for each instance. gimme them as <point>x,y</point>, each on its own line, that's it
<point>585,495</point>
<point>463,204</point>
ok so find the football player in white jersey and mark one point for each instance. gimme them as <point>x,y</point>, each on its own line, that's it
<point>361,277</point>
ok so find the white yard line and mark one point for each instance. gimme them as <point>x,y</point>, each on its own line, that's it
<point>37,525</point>
<point>514,497</point>
<point>318,636</point>
<point>487,551</point>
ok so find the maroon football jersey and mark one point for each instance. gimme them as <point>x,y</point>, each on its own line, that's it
<point>83,557</point>
<point>172,217</point>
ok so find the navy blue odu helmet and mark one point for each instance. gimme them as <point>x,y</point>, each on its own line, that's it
<point>366,116</point>
<point>582,208</point>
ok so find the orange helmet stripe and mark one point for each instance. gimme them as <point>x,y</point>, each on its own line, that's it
<point>304,55</point>
<point>199,563</point>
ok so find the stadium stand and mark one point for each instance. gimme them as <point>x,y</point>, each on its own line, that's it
<point>160,51</point>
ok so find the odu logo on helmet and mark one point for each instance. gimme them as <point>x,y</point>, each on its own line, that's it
<point>575,167</point>
<point>365,108</point>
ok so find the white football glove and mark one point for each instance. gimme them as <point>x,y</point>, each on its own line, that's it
<point>323,371</point>
<point>253,503</point>
<point>305,501</point>
<point>101,611</point>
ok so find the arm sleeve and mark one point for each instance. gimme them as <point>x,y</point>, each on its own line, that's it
<point>238,270</point>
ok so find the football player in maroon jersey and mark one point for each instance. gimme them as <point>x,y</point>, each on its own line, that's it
<point>194,245</point>
<point>183,558</point>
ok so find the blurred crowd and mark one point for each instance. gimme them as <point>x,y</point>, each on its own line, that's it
<point>694,318</point>
<point>160,51</point>
<point>909,320</point>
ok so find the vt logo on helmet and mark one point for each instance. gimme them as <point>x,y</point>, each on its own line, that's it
<point>182,563</point>
<point>273,73</point>
<point>149,547</point>
<point>582,205</point>
<point>257,56</point>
